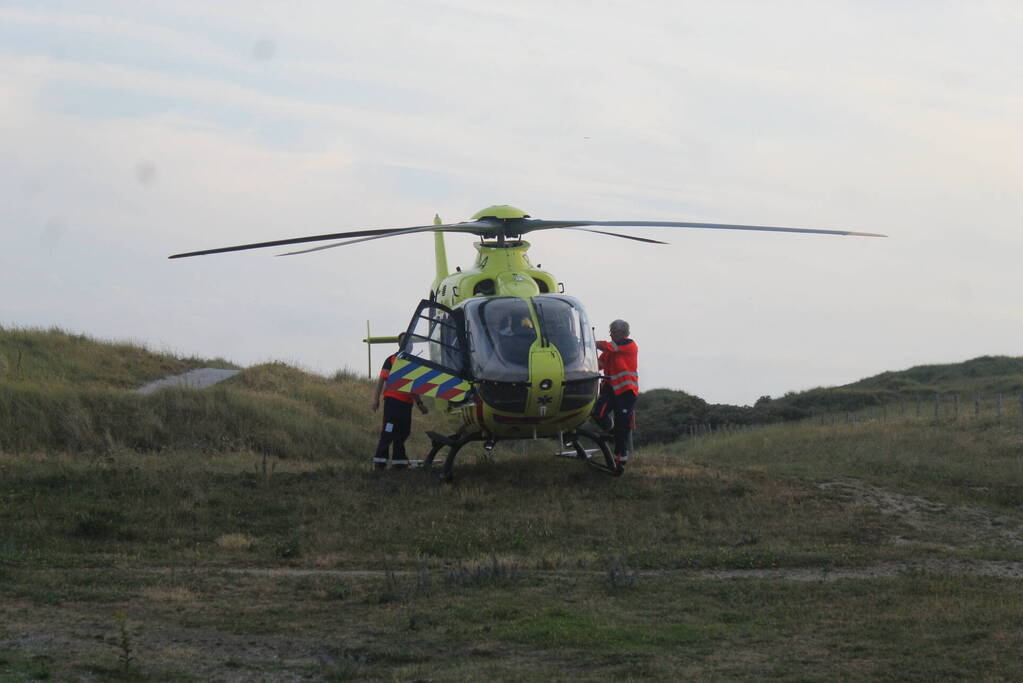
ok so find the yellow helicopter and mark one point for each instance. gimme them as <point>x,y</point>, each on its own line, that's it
<point>499,346</point>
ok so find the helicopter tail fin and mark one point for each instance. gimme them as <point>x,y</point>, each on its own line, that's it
<point>440,252</point>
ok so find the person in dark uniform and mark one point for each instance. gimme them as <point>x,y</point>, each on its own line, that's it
<point>397,419</point>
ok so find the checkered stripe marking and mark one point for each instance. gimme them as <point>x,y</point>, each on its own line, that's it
<point>412,378</point>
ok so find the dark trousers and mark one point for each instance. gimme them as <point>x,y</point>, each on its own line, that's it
<point>604,407</point>
<point>396,428</point>
<point>625,420</point>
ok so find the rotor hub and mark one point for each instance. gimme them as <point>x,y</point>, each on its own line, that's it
<point>502,211</point>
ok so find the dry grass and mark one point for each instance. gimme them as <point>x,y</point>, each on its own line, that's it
<point>235,541</point>
<point>170,594</point>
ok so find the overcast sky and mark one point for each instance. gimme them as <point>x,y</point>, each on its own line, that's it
<point>133,130</point>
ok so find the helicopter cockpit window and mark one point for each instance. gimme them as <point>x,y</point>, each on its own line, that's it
<point>564,324</point>
<point>501,333</point>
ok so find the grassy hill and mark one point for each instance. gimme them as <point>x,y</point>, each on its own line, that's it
<point>984,375</point>
<point>54,357</point>
<point>666,415</point>
<point>69,393</point>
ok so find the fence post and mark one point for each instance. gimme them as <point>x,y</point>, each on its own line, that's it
<point>937,404</point>
<point>955,414</point>
<point>919,404</point>
<point>976,405</point>
<point>999,406</point>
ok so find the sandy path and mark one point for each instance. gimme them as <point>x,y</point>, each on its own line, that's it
<point>942,567</point>
<point>193,379</point>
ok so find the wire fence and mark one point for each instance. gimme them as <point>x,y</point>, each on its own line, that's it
<point>935,408</point>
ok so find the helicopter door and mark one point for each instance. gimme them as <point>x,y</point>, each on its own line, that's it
<point>432,358</point>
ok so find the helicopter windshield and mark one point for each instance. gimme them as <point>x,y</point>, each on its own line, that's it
<point>564,323</point>
<point>501,334</point>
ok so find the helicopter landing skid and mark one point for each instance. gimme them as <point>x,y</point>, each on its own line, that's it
<point>454,444</point>
<point>600,458</point>
<point>573,454</point>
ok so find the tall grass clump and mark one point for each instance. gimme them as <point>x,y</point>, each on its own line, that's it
<point>61,392</point>
<point>61,418</point>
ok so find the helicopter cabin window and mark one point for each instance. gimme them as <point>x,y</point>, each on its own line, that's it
<point>434,337</point>
<point>564,324</point>
<point>501,334</point>
<point>484,288</point>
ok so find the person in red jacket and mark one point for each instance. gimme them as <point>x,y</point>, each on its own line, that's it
<point>397,419</point>
<point>620,365</point>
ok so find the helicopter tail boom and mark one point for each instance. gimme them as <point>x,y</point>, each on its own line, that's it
<point>440,254</point>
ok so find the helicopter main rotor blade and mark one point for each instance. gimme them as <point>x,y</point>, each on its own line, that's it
<point>615,234</point>
<point>381,232</point>
<point>528,225</point>
<point>481,227</point>
<point>475,228</point>
<point>489,227</point>
<point>277,243</point>
<point>459,228</point>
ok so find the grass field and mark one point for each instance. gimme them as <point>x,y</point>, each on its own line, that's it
<point>187,625</point>
<point>794,552</point>
<point>734,557</point>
